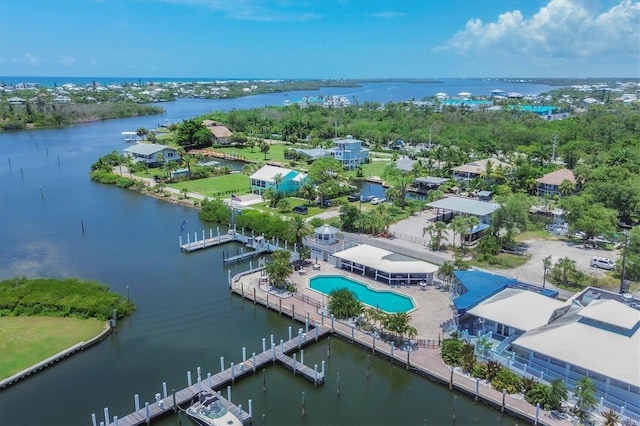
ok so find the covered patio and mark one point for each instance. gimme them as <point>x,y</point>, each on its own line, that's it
<point>383,265</point>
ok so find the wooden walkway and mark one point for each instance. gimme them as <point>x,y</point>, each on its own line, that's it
<point>425,361</point>
<point>278,353</point>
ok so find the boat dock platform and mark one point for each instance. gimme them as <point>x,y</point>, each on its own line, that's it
<point>256,245</point>
<point>276,354</point>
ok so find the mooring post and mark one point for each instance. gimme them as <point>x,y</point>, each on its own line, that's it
<point>209,381</point>
<point>264,344</point>
<point>451,378</point>
<point>250,409</point>
<point>408,361</point>
<point>302,404</point>
<point>173,396</point>
<point>294,364</point>
<point>317,331</point>
<point>221,364</point>
<point>302,356</point>
<point>189,378</point>
<point>93,419</point>
<point>272,340</point>
<point>504,394</point>
<point>264,380</point>
<point>254,296</point>
<point>229,393</point>
<point>279,305</point>
<point>136,402</point>
<point>293,312</point>
<point>274,352</point>
<point>353,331</point>
<point>290,333</point>
<point>315,374</point>
<point>106,415</point>
<point>477,388</point>
<point>537,413</point>
<point>373,348</point>
<point>322,370</point>
<point>338,385</point>
<point>253,356</point>
<point>392,345</point>
<point>164,389</point>
<point>147,414</point>
<point>332,327</point>
<point>299,337</point>
<point>328,347</point>
<point>233,373</point>
<point>306,323</point>
<point>281,346</point>
<point>244,354</point>
<point>115,420</point>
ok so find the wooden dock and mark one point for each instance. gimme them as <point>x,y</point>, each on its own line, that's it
<point>277,354</point>
<point>256,245</point>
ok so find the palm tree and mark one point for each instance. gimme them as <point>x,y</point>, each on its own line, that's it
<point>297,229</point>
<point>458,226</point>
<point>446,271</point>
<point>546,264</point>
<point>611,418</point>
<point>566,187</point>
<point>585,392</point>
<point>277,180</point>
<point>557,393</point>
<point>307,192</point>
<point>471,222</point>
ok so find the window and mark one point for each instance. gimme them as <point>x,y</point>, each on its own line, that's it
<point>557,362</point>
<point>578,370</point>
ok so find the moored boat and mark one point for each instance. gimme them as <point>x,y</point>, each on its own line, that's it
<point>209,411</point>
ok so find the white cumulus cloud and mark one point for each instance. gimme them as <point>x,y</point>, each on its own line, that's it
<point>563,29</point>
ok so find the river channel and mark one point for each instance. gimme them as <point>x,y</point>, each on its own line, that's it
<point>186,317</point>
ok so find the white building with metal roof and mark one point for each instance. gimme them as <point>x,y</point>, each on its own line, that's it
<point>384,265</point>
<point>600,340</point>
<point>465,206</point>
<point>152,153</point>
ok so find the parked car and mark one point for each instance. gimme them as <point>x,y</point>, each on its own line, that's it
<point>353,197</point>
<point>602,263</point>
<point>301,209</point>
<point>325,203</point>
<point>367,198</point>
<point>376,200</point>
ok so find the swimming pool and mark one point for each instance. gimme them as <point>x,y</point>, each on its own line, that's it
<point>385,300</point>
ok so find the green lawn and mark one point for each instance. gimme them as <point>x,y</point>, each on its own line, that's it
<point>223,185</point>
<point>293,201</point>
<point>375,168</point>
<point>25,341</point>
<point>276,152</point>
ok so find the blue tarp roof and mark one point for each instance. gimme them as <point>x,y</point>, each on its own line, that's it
<point>481,285</point>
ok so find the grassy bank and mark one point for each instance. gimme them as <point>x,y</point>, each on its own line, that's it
<point>25,341</point>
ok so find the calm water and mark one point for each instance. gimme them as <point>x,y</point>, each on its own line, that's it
<point>186,317</point>
<point>388,301</point>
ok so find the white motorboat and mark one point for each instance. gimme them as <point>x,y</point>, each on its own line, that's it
<point>209,411</point>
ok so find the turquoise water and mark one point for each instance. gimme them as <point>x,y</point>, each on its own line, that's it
<point>387,301</point>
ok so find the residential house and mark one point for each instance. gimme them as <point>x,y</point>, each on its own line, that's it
<point>149,152</point>
<point>17,101</point>
<point>349,152</point>
<point>549,184</point>
<point>221,135</point>
<point>289,181</point>
<point>476,168</point>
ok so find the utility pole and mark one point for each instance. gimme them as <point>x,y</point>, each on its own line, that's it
<point>555,142</point>
<point>623,284</point>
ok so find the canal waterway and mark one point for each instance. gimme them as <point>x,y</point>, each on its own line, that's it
<point>186,317</point>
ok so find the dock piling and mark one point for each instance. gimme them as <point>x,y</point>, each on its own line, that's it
<point>147,417</point>
<point>93,419</point>
<point>264,344</point>
<point>254,362</point>
<point>189,378</point>
<point>164,389</point>
<point>221,364</point>
<point>281,345</point>
<point>250,408</point>
<point>303,404</point>
<point>302,356</point>
<point>209,381</point>
<point>229,393</point>
<point>290,336</point>
<point>264,380</point>
<point>233,373</point>
<point>338,385</point>
<point>136,402</point>
<point>115,420</point>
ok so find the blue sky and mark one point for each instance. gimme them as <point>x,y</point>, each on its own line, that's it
<point>320,38</point>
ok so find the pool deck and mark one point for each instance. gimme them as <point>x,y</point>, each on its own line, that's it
<point>433,308</point>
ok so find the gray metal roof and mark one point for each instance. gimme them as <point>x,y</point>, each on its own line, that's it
<point>465,205</point>
<point>146,148</point>
<point>326,230</point>
<point>431,180</point>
